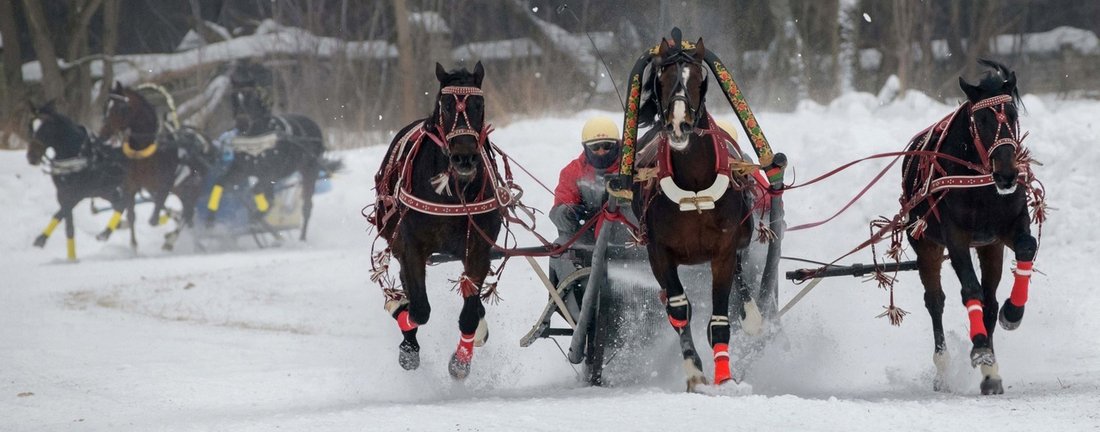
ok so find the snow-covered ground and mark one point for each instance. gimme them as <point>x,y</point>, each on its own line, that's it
<point>295,337</point>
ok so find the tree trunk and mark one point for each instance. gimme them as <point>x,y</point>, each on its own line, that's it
<point>52,84</point>
<point>788,72</point>
<point>110,43</point>
<point>405,56</point>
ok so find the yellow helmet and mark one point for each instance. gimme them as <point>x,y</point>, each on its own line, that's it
<point>599,129</point>
<point>728,126</point>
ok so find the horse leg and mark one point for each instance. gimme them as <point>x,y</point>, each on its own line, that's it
<point>70,232</point>
<point>723,269</point>
<point>413,310</point>
<point>116,219</point>
<point>959,250</point>
<point>929,264</point>
<point>160,195</point>
<point>309,185</point>
<point>131,216</point>
<point>473,329</point>
<point>1024,245</point>
<point>40,241</point>
<point>262,195</point>
<point>990,260</point>
<point>679,313</point>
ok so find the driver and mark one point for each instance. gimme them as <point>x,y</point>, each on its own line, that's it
<point>582,184</point>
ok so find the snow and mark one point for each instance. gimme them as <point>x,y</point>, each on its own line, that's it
<point>502,49</point>
<point>295,337</point>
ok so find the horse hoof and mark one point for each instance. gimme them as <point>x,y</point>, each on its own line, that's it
<point>459,366</point>
<point>481,334</point>
<point>103,236</point>
<point>982,356</point>
<point>408,356</point>
<point>1010,316</point>
<point>40,241</point>
<point>753,322</point>
<point>939,385</point>
<point>694,382</point>
<point>992,386</point>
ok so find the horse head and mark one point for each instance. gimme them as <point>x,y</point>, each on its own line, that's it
<point>127,111</point>
<point>459,118</point>
<point>994,123</point>
<point>678,88</point>
<point>50,129</point>
<point>251,95</point>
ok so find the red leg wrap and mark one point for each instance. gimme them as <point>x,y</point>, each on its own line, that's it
<point>465,350</point>
<point>721,363</point>
<point>977,325</point>
<point>678,324</point>
<point>1021,282</point>
<point>404,322</point>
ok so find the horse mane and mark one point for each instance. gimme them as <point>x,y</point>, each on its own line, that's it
<point>993,81</point>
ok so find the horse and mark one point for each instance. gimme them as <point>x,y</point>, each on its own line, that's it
<point>972,198</point>
<point>157,155</point>
<point>81,167</point>
<point>268,148</point>
<point>697,211</point>
<point>436,193</point>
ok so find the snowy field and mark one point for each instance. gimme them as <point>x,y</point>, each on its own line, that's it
<point>295,337</point>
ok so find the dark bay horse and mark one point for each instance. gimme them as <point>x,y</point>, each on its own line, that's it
<point>697,210</point>
<point>269,148</point>
<point>436,193</point>
<point>976,200</point>
<point>157,156</point>
<point>81,167</point>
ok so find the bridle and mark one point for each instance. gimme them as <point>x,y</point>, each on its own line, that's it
<point>998,104</point>
<point>461,95</point>
<point>679,58</point>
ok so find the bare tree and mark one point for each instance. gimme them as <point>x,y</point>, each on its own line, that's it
<point>405,60</point>
<point>52,84</point>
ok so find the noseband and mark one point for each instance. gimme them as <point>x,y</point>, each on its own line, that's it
<point>998,105</point>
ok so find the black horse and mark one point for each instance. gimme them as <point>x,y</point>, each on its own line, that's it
<point>162,158</point>
<point>436,194</point>
<point>696,210</point>
<point>972,198</point>
<point>269,147</point>
<point>81,167</point>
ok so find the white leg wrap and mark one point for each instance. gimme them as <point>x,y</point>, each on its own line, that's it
<point>481,333</point>
<point>678,301</point>
<point>940,360</point>
<point>991,371</point>
<point>753,324</point>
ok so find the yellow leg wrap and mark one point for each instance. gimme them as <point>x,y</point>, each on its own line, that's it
<point>52,225</point>
<point>71,246</point>
<point>163,219</point>
<point>116,218</point>
<point>261,203</point>
<point>215,198</point>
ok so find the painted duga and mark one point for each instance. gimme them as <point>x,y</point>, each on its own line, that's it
<point>436,193</point>
<point>976,195</point>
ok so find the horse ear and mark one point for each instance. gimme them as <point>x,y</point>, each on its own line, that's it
<point>479,73</point>
<point>662,49</point>
<point>700,50</point>
<point>440,73</point>
<point>972,92</point>
<point>34,109</point>
<point>117,88</point>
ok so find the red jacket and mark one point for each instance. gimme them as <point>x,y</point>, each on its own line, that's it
<point>568,191</point>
